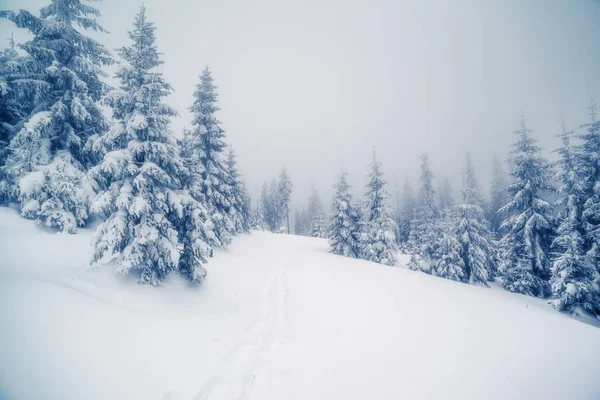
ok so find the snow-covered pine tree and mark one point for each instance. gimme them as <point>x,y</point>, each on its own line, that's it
<point>449,262</point>
<point>316,216</point>
<point>415,263</point>
<point>378,241</point>
<point>258,217</point>
<point>195,234</point>
<point>58,86</point>
<point>152,225</point>
<point>406,214</point>
<point>424,235</point>
<point>525,264</point>
<point>467,224</point>
<point>360,210</point>
<point>246,208</point>
<point>343,235</point>
<point>275,215</point>
<point>573,270</point>
<point>317,227</point>
<point>207,150</point>
<point>470,193</point>
<point>20,93</point>
<point>284,192</point>
<point>12,111</point>
<point>498,196</point>
<point>589,160</point>
<point>268,207</point>
<point>314,204</point>
<point>239,209</point>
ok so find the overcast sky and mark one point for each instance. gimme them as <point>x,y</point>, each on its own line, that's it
<point>315,85</point>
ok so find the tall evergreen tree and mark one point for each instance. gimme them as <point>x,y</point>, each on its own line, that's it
<point>589,164</point>
<point>272,208</point>
<point>268,207</point>
<point>316,216</point>
<point>207,150</point>
<point>525,261</point>
<point>284,192</point>
<point>424,234</point>
<point>471,194</point>
<point>152,225</point>
<point>407,214</point>
<point>246,209</point>
<point>467,224</point>
<point>239,212</point>
<point>498,195</point>
<point>572,271</point>
<point>258,217</point>
<point>378,240</point>
<point>318,225</point>
<point>314,204</point>
<point>57,86</point>
<point>343,233</point>
<point>449,261</point>
<point>12,110</point>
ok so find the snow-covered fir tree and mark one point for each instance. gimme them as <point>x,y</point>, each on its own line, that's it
<point>406,214</point>
<point>316,216</point>
<point>589,165</point>
<point>424,235</point>
<point>343,234</point>
<point>526,242</point>
<point>212,184</point>
<point>246,208</point>
<point>378,239</point>
<point>58,88</point>
<point>284,192</point>
<point>498,195</point>
<point>12,110</point>
<point>318,225</point>
<point>258,217</point>
<point>267,203</point>
<point>314,204</point>
<point>239,212</point>
<point>573,270</point>
<point>470,193</point>
<point>20,93</point>
<point>449,261</point>
<point>152,226</point>
<point>467,226</point>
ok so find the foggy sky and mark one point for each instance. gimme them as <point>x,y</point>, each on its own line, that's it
<point>315,85</point>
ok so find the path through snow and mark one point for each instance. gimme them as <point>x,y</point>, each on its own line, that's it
<point>244,373</point>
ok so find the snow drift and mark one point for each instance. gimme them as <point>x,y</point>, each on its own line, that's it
<point>277,318</point>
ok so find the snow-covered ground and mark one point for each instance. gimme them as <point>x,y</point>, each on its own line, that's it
<point>278,318</point>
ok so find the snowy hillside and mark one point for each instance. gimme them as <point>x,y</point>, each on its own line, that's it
<point>278,318</point>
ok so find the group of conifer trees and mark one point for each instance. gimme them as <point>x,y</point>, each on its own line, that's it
<point>165,203</point>
<point>364,230</point>
<point>272,210</point>
<point>539,231</point>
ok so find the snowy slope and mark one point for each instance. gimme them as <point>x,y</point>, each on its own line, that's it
<point>278,318</point>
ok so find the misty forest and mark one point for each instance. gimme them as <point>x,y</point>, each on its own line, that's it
<point>390,284</point>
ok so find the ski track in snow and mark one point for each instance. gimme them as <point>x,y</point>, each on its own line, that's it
<point>245,371</point>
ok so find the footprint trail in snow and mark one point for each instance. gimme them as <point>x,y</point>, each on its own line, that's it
<point>245,373</point>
